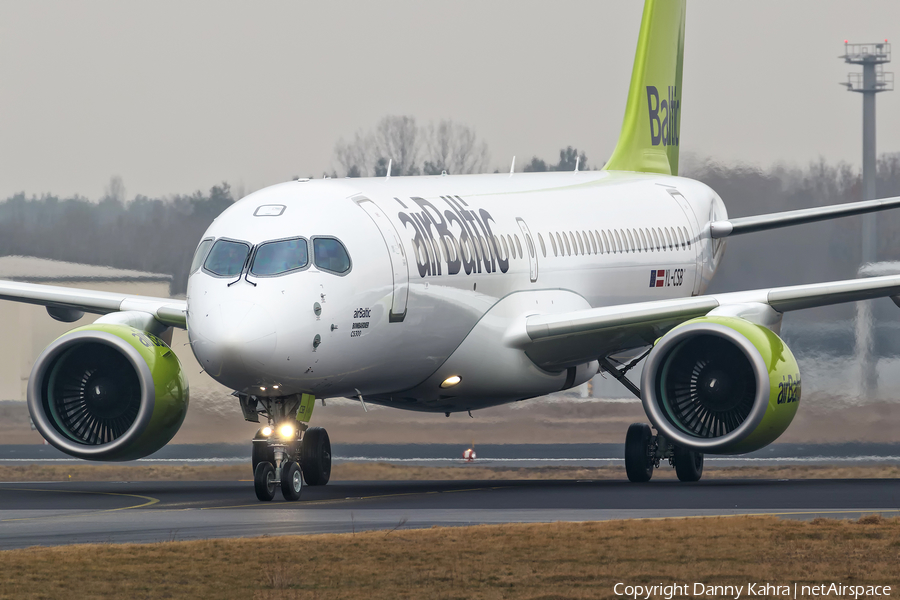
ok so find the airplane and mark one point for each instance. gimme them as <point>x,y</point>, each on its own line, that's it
<point>452,293</point>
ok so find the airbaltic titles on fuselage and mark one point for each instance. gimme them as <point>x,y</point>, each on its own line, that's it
<point>452,240</point>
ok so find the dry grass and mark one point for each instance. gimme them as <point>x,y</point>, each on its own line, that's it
<point>386,472</point>
<point>529,561</point>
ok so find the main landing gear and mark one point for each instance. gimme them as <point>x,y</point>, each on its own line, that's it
<point>644,451</point>
<point>287,451</point>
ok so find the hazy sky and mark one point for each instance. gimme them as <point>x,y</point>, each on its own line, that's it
<point>176,96</point>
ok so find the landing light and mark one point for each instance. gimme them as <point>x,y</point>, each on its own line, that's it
<point>267,431</point>
<point>262,388</point>
<point>286,431</point>
<point>451,381</point>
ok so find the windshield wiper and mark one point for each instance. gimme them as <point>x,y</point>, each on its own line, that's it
<point>243,266</point>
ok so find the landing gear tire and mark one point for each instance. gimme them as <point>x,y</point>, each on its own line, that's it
<point>315,456</point>
<point>688,464</point>
<point>264,481</point>
<point>291,481</point>
<point>262,453</point>
<point>638,462</point>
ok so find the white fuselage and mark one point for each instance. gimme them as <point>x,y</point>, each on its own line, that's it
<point>441,271</point>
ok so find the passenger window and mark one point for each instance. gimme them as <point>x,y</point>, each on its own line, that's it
<point>543,247</point>
<point>605,242</point>
<point>227,258</point>
<point>681,236</point>
<point>617,242</point>
<point>568,247</point>
<point>559,242</point>
<point>518,246</point>
<point>512,247</point>
<point>593,242</point>
<point>473,248</point>
<point>505,247</point>
<point>330,255</point>
<point>275,258</point>
<point>668,238</point>
<point>553,244</point>
<point>643,240</point>
<point>574,243</point>
<point>630,240</point>
<point>687,237</point>
<point>200,254</point>
<point>580,241</point>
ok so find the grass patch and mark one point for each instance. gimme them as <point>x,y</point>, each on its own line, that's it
<point>392,472</point>
<point>528,561</point>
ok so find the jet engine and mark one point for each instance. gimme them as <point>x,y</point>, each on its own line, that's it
<point>108,392</point>
<point>721,385</point>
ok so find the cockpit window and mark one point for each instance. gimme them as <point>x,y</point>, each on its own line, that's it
<point>200,254</point>
<point>330,255</point>
<point>275,258</point>
<point>227,258</point>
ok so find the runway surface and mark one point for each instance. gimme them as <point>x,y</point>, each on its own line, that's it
<point>66,513</point>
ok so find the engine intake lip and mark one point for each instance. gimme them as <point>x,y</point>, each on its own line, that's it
<point>38,409</point>
<point>652,402</point>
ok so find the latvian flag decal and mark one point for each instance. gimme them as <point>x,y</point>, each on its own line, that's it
<point>657,277</point>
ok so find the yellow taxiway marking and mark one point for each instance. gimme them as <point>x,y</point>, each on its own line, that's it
<point>149,502</point>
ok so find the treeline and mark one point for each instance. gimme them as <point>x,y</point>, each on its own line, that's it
<point>808,253</point>
<point>148,234</point>
<point>408,148</point>
<point>160,234</point>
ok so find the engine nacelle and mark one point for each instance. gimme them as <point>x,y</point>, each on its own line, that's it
<point>721,385</point>
<point>108,392</point>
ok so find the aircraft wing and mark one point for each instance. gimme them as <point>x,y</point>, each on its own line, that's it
<point>721,229</point>
<point>166,310</point>
<point>557,341</point>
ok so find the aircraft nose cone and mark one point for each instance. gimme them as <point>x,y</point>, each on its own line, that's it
<point>234,340</point>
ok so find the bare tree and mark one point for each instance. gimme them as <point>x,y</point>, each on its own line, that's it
<point>355,156</point>
<point>454,148</point>
<point>115,189</point>
<point>396,139</point>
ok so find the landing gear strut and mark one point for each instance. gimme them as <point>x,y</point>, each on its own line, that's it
<point>644,451</point>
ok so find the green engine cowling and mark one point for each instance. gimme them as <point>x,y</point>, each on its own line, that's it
<point>721,385</point>
<point>108,392</point>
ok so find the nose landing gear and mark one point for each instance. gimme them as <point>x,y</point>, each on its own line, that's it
<point>287,451</point>
<point>275,455</point>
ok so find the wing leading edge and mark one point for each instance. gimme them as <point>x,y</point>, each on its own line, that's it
<point>557,341</point>
<point>165,310</point>
<point>721,229</point>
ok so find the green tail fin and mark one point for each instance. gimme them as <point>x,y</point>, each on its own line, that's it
<point>651,130</point>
